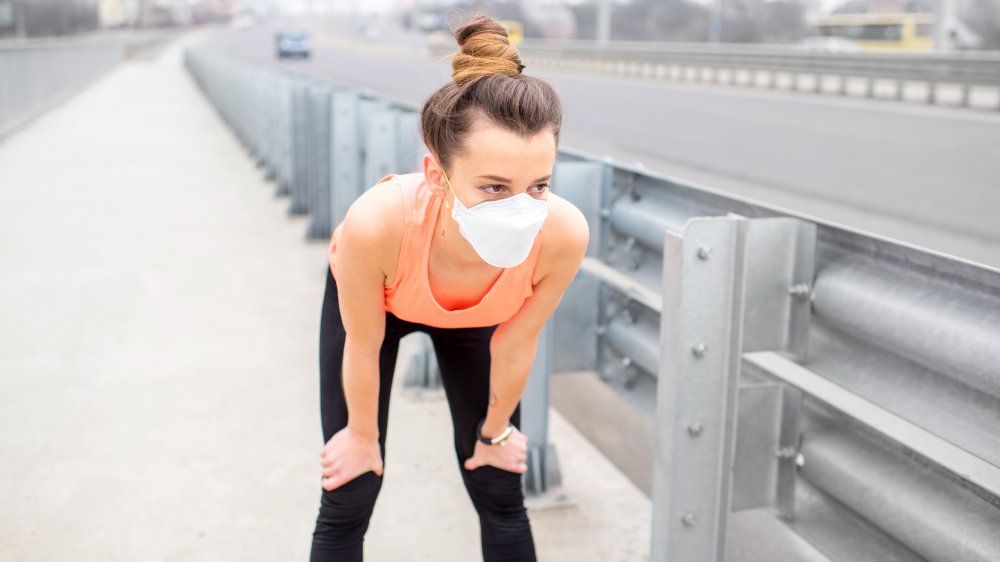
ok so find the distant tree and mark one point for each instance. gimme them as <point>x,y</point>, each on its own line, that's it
<point>586,20</point>
<point>682,20</point>
<point>59,17</point>
<point>983,18</point>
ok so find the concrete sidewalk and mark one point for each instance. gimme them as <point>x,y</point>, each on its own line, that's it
<point>159,320</point>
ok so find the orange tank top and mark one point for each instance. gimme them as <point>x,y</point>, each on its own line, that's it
<point>409,297</point>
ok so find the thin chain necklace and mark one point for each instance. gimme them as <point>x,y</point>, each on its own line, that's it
<point>439,220</point>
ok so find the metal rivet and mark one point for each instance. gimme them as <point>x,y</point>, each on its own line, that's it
<point>689,520</point>
<point>699,350</point>
<point>695,429</point>
<point>704,251</point>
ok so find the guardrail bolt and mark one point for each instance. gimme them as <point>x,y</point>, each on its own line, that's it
<point>627,316</point>
<point>699,349</point>
<point>785,453</point>
<point>630,373</point>
<point>695,429</point>
<point>800,291</point>
<point>704,251</point>
<point>689,520</point>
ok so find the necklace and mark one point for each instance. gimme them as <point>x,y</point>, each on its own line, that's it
<point>439,220</point>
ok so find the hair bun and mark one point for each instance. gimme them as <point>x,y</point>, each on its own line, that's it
<point>484,48</point>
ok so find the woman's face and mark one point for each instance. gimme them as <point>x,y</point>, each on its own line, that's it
<point>499,163</point>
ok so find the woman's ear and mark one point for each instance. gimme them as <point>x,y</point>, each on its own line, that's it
<point>433,175</point>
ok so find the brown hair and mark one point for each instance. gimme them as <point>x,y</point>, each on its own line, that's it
<point>487,83</point>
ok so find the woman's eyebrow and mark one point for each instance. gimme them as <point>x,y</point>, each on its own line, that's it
<point>505,180</point>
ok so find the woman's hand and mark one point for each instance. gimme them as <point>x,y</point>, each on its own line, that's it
<point>348,455</point>
<point>510,455</point>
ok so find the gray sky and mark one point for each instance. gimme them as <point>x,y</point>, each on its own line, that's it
<point>383,6</point>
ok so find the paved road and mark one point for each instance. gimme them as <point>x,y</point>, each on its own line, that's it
<point>926,175</point>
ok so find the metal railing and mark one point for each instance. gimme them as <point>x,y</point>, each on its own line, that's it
<point>823,374</point>
<point>764,65</point>
<point>36,75</point>
<point>844,384</point>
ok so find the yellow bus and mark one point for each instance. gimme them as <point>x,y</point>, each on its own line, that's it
<point>515,30</point>
<point>906,31</point>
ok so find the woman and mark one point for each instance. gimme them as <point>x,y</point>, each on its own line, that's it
<point>476,252</point>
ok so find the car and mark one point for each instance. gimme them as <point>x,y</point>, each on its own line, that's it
<point>293,43</point>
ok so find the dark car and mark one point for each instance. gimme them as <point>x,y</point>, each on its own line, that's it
<point>292,44</point>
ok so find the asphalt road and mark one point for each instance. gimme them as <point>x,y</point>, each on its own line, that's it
<point>928,176</point>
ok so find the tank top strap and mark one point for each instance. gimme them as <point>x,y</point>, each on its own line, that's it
<point>416,200</point>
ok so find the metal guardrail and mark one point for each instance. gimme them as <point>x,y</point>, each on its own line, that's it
<point>827,375</point>
<point>34,76</point>
<point>845,384</point>
<point>744,63</point>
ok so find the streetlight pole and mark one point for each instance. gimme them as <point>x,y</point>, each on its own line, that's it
<point>604,22</point>
<point>942,21</point>
<point>715,22</point>
<point>19,16</point>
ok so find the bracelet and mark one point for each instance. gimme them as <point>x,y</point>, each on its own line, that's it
<point>499,439</point>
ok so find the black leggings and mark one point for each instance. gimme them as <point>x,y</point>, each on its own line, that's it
<point>463,355</point>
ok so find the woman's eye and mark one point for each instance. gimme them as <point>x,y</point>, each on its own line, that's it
<point>492,189</point>
<point>541,187</point>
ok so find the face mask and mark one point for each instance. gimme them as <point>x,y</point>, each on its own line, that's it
<point>502,232</point>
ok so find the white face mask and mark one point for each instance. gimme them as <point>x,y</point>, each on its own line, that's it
<point>503,231</point>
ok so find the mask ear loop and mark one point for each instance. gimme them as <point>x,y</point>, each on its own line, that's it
<point>447,204</point>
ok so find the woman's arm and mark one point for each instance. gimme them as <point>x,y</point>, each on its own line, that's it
<point>514,343</point>
<point>362,256</point>
<point>361,259</point>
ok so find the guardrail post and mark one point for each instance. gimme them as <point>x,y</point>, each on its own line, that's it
<point>346,155</point>
<point>381,144</point>
<point>577,319</point>
<point>321,225</point>
<point>286,137</point>
<point>730,285</point>
<point>543,479</point>
<point>300,150</point>
<point>701,339</point>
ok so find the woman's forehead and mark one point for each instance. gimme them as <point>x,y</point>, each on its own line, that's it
<point>507,154</point>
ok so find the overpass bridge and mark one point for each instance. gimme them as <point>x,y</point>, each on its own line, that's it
<point>731,379</point>
<point>159,314</point>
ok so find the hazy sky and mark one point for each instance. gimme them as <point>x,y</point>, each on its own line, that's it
<point>382,6</point>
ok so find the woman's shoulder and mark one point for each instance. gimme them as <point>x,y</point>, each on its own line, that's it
<point>565,234</point>
<point>375,220</point>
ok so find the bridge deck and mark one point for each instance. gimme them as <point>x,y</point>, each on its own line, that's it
<point>159,320</point>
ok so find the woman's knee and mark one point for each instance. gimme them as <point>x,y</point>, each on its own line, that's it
<point>495,491</point>
<point>344,512</point>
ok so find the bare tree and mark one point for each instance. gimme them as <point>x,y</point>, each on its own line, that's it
<point>983,18</point>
